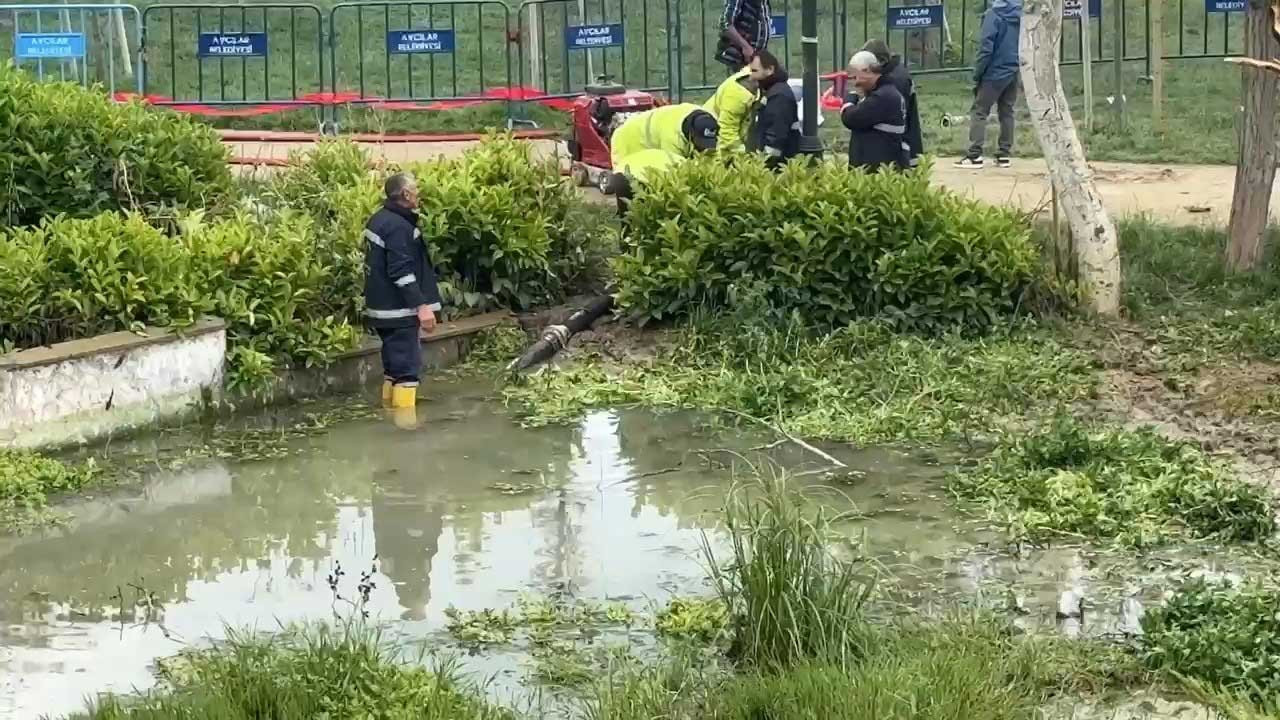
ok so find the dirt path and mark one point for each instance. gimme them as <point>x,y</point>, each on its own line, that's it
<point>1165,192</point>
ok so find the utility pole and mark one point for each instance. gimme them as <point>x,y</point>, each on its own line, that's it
<point>810,143</point>
<point>1117,51</point>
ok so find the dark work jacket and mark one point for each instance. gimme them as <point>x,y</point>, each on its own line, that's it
<point>877,125</point>
<point>398,275</point>
<point>776,129</point>
<point>898,74</point>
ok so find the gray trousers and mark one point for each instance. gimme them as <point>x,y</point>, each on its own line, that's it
<point>1003,95</point>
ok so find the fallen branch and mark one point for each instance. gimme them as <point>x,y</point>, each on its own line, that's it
<point>789,437</point>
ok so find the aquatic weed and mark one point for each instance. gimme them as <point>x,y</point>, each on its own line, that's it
<point>27,479</point>
<point>1133,487</point>
<point>1224,635</point>
<point>700,619</point>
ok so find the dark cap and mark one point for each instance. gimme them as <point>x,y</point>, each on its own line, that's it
<point>877,47</point>
<point>702,130</point>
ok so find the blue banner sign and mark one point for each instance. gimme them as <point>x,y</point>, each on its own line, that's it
<point>420,42</point>
<point>1071,8</point>
<point>583,37</point>
<point>243,44</point>
<point>49,46</point>
<point>914,17</point>
<point>1225,6</point>
<point>777,25</point>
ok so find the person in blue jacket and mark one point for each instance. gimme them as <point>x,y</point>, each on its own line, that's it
<point>400,291</point>
<point>995,77</point>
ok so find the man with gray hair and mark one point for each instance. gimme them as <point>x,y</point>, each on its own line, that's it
<point>876,115</point>
<point>400,292</point>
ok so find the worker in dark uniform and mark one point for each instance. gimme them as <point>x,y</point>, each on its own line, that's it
<point>875,114</point>
<point>400,292</point>
<point>776,131</point>
<point>896,70</point>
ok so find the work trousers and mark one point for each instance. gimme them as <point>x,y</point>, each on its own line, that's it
<point>401,354</point>
<point>1002,94</point>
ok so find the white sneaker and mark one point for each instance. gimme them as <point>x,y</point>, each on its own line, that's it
<point>969,163</point>
<point>1003,162</point>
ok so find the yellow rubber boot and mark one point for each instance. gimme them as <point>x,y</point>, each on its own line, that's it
<point>404,396</point>
<point>404,406</point>
<point>386,393</point>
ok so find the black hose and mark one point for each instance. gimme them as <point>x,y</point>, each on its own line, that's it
<point>556,337</point>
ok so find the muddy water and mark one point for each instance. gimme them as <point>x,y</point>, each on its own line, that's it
<point>469,511</point>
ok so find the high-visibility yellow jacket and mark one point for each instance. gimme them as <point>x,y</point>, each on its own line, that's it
<point>652,140</point>
<point>732,104</point>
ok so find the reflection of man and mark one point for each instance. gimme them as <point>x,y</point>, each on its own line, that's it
<point>655,140</point>
<point>406,533</point>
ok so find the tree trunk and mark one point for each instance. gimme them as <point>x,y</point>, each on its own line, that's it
<point>1256,163</point>
<point>1097,253</point>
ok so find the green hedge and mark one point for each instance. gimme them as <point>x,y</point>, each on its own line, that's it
<point>503,229</point>
<point>67,149</point>
<point>289,282</point>
<point>827,242</point>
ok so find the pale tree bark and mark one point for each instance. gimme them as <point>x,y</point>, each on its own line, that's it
<point>1096,246</point>
<point>1256,163</point>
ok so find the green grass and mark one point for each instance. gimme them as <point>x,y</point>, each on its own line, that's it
<point>1175,282</point>
<point>28,480</point>
<point>301,674</point>
<point>791,599</point>
<point>1071,480</point>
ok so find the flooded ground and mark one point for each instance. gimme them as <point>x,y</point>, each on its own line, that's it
<point>471,511</point>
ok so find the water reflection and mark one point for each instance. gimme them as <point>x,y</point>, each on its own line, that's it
<point>613,508</point>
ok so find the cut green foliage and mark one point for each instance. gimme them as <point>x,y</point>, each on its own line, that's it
<point>27,479</point>
<point>1134,487</point>
<point>825,242</point>
<point>301,674</point>
<point>862,383</point>
<point>703,620</point>
<point>1225,636</point>
<point>68,149</point>
<point>791,599</point>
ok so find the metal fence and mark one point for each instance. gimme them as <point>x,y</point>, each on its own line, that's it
<point>86,44</point>
<point>229,55</point>
<point>406,53</point>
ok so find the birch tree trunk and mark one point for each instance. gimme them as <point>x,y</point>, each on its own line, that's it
<point>1256,163</point>
<point>1096,247</point>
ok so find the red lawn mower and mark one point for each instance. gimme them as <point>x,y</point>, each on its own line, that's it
<point>601,110</point>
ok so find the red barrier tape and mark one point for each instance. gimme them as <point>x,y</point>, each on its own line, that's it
<point>524,94</point>
<point>306,137</point>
